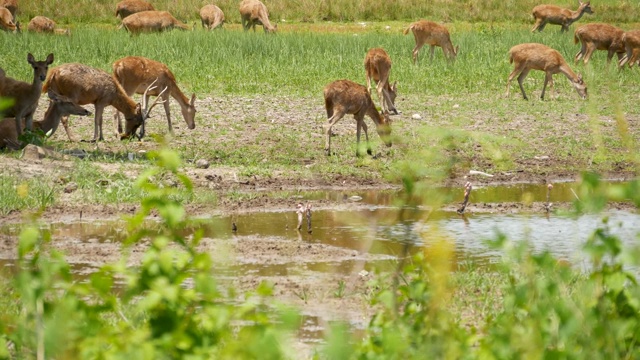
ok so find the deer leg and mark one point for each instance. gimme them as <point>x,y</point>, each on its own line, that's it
<point>165,98</point>
<point>29,121</point>
<point>548,78</point>
<point>590,49</point>
<point>118,122</point>
<point>432,50</point>
<point>536,25</point>
<point>415,53</point>
<point>518,69</point>
<point>521,78</point>
<point>580,53</point>
<point>65,124</point>
<point>366,135</point>
<point>634,58</point>
<point>327,129</point>
<point>97,124</point>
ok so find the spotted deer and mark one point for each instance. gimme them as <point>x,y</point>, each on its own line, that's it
<point>152,21</point>
<point>631,40</point>
<point>433,34</point>
<point>136,73</point>
<point>84,84</point>
<point>552,14</point>
<point>127,7</point>
<point>25,96</point>
<point>377,66</point>
<point>532,56</point>
<point>597,36</point>
<point>343,97</point>
<point>211,17</point>
<point>254,12</point>
<point>59,106</point>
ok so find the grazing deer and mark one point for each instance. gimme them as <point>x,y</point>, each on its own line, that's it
<point>59,106</point>
<point>552,14</point>
<point>343,97</point>
<point>152,21</point>
<point>83,85</point>
<point>428,32</point>
<point>25,95</point>
<point>12,6</point>
<point>43,24</point>
<point>136,73</point>
<point>631,40</point>
<point>127,7</point>
<point>253,12</point>
<point>377,66</point>
<point>6,20</point>
<point>211,17</point>
<point>534,56</point>
<point>598,36</point>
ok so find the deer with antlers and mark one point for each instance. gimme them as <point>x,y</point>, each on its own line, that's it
<point>552,14</point>
<point>136,73</point>
<point>532,56</point>
<point>59,106</point>
<point>433,34</point>
<point>254,12</point>
<point>127,7</point>
<point>597,36</point>
<point>84,84</point>
<point>25,95</point>
<point>211,17</point>
<point>343,97</point>
<point>631,41</point>
<point>377,66</point>
<point>152,21</point>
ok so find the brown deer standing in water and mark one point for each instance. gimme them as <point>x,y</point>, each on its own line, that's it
<point>136,73</point>
<point>532,56</point>
<point>152,21</point>
<point>631,40</point>
<point>343,97</point>
<point>552,14</point>
<point>25,95</point>
<point>598,36</point>
<point>211,17</point>
<point>59,106</point>
<point>253,12</point>
<point>428,32</point>
<point>377,66</point>
<point>83,85</point>
<point>127,7</point>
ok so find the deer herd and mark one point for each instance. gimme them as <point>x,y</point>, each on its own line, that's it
<point>71,85</point>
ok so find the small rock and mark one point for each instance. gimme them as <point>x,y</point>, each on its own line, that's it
<point>71,187</point>
<point>416,117</point>
<point>202,164</point>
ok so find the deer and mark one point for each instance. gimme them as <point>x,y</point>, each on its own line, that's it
<point>428,32</point>
<point>127,7</point>
<point>7,22</point>
<point>59,106</point>
<point>597,36</point>
<point>84,85</point>
<point>152,21</point>
<point>136,73</point>
<point>25,95</point>
<point>43,24</point>
<point>252,13</point>
<point>211,17</point>
<point>631,40</point>
<point>377,66</point>
<point>343,97</point>
<point>528,56</point>
<point>12,6</point>
<point>552,14</point>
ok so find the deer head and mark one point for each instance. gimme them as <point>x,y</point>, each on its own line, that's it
<point>142,114</point>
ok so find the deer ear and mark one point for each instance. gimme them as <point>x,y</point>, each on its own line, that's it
<point>50,58</point>
<point>30,58</point>
<point>193,99</point>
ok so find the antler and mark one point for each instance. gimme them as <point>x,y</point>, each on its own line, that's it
<point>146,110</point>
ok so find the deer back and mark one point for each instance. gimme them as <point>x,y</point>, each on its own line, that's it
<point>434,34</point>
<point>41,24</point>
<point>128,7</point>
<point>603,36</point>
<point>211,16</point>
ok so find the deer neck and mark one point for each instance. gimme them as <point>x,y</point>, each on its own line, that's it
<point>576,15</point>
<point>566,70</point>
<point>179,96</point>
<point>124,104</point>
<point>51,119</point>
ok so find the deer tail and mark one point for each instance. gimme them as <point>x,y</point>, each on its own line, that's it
<point>575,38</point>
<point>510,58</point>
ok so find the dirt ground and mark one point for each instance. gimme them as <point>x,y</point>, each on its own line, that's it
<point>314,293</point>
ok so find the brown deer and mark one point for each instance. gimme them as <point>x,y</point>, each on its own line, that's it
<point>43,24</point>
<point>534,56</point>
<point>83,85</point>
<point>127,7</point>
<point>136,73</point>
<point>6,20</point>
<point>597,36</point>
<point>428,32</point>
<point>12,6</point>
<point>631,40</point>
<point>552,14</point>
<point>377,66</point>
<point>252,13</point>
<point>152,21</point>
<point>59,106</point>
<point>25,95</point>
<point>343,97</point>
<point>211,17</point>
